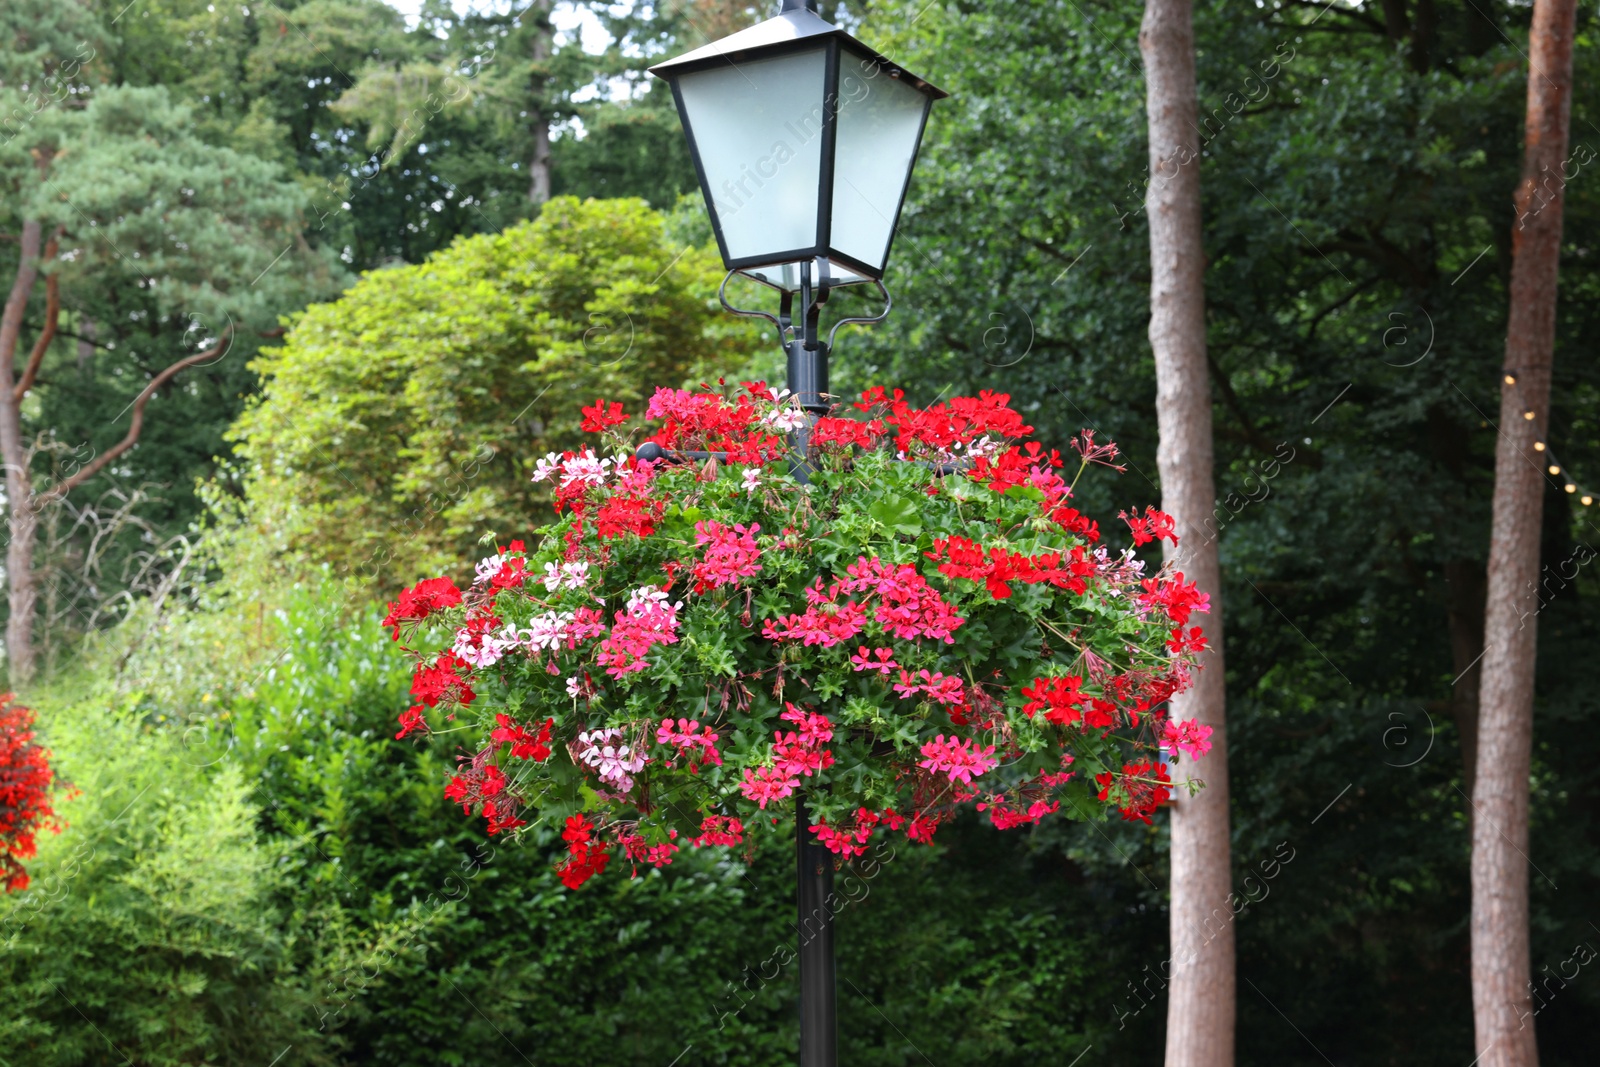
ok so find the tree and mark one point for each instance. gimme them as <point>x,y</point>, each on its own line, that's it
<point>494,74</point>
<point>420,400</point>
<point>1347,198</point>
<point>1502,995</point>
<point>389,167</point>
<point>124,218</point>
<point>1200,1009</point>
<point>537,20</point>
<point>500,83</point>
<point>114,530</point>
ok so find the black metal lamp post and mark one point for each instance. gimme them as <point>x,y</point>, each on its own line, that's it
<point>804,140</point>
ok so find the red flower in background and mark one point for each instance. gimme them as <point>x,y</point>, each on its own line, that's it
<point>835,431</point>
<point>1000,567</point>
<point>1175,597</point>
<point>512,573</point>
<point>1138,791</point>
<point>1193,641</point>
<point>1191,738</point>
<point>25,783</point>
<point>719,830</point>
<point>586,858</point>
<point>1061,699</point>
<point>628,515</point>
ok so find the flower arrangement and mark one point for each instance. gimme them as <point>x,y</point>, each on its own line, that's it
<point>26,781</point>
<point>927,623</point>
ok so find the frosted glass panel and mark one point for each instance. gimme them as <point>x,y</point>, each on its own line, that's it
<point>787,275</point>
<point>758,129</point>
<point>879,119</point>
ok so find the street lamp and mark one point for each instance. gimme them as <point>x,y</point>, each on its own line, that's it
<point>803,139</point>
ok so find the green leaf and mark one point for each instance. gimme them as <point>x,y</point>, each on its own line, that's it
<point>898,513</point>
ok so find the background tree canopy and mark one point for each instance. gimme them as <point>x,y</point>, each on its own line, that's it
<point>420,399</point>
<point>1358,163</point>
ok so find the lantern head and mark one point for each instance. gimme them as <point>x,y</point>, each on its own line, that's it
<point>803,139</point>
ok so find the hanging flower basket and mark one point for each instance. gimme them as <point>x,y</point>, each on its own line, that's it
<point>928,623</point>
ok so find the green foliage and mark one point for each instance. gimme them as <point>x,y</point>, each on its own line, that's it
<point>142,199</point>
<point>163,243</point>
<point>978,952</point>
<point>1352,179</point>
<point>368,922</point>
<point>151,930</point>
<point>1347,206</point>
<point>419,400</point>
<point>633,149</point>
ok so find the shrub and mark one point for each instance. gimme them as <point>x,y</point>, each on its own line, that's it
<point>151,932</point>
<point>395,423</point>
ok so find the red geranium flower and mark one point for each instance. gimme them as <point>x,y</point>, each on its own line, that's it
<point>420,601</point>
<point>600,417</point>
<point>25,784</point>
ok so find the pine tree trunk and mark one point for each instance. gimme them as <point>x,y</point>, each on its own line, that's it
<point>1200,1008</point>
<point>539,165</point>
<point>538,119</point>
<point>1502,1006</point>
<point>21,588</point>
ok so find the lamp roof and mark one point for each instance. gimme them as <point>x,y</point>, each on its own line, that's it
<point>790,27</point>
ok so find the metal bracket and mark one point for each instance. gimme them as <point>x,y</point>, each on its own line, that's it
<point>888,305</point>
<point>722,295</point>
<point>784,322</point>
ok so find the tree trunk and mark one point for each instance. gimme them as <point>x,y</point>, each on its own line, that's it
<point>539,165</point>
<point>1200,1008</point>
<point>1502,1006</point>
<point>1422,36</point>
<point>1395,21</point>
<point>21,512</point>
<point>538,117</point>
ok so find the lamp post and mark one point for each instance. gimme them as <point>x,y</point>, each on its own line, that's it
<point>803,139</point>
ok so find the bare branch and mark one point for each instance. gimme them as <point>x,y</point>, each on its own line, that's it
<point>81,593</point>
<point>52,319</point>
<point>95,466</point>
